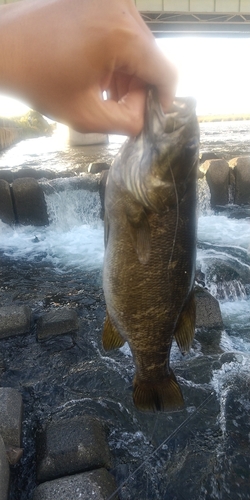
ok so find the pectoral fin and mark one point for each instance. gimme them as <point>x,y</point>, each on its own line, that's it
<point>139,230</point>
<point>184,332</point>
<point>106,229</point>
<point>111,338</point>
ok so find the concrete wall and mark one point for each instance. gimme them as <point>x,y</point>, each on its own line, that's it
<point>78,139</point>
<point>8,136</point>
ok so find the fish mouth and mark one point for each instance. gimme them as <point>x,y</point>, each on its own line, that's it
<point>183,105</point>
<point>179,114</point>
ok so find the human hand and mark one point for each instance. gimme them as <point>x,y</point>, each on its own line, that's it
<point>61,55</point>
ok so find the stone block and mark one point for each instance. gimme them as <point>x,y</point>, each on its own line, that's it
<point>241,169</point>
<point>25,172</point>
<point>29,202</point>
<point>102,188</point>
<point>2,363</point>
<point>6,175</point>
<point>6,206</point>
<point>217,175</point>
<point>71,446</point>
<point>14,454</point>
<point>96,485</point>
<point>79,139</point>
<point>208,155</point>
<point>36,173</point>
<point>14,320</point>
<point>4,472</point>
<point>57,322</point>
<point>208,313</point>
<point>97,167</point>
<point>11,412</point>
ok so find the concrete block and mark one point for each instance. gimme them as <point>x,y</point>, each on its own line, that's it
<point>36,173</point>
<point>79,139</point>
<point>57,322</point>
<point>102,188</point>
<point>208,313</point>
<point>71,446</point>
<point>14,320</point>
<point>29,202</point>
<point>208,155</point>
<point>11,412</point>
<point>97,167</point>
<point>14,454</point>
<point>241,169</point>
<point>4,472</point>
<point>96,485</point>
<point>6,206</point>
<point>2,363</point>
<point>6,175</point>
<point>217,175</point>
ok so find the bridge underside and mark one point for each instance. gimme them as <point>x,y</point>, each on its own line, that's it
<point>164,24</point>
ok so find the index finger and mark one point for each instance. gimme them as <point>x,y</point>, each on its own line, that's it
<point>142,58</point>
<point>150,65</point>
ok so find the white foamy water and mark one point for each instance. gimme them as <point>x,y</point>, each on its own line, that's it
<point>220,230</point>
<point>237,314</point>
<point>80,247</point>
<point>74,237</point>
<point>236,319</point>
<point>234,234</point>
<point>75,234</point>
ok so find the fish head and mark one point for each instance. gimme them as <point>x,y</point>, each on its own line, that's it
<point>160,161</point>
<point>174,152</point>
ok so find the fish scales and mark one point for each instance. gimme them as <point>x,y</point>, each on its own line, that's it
<point>150,249</point>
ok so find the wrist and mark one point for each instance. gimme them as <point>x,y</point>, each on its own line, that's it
<point>15,47</point>
<point>7,46</point>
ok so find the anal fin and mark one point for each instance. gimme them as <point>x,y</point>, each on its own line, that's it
<point>164,395</point>
<point>111,338</point>
<point>184,332</point>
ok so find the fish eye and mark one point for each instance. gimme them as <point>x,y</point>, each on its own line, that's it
<point>191,147</point>
<point>192,144</point>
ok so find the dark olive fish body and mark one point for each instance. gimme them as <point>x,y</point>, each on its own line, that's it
<point>150,233</point>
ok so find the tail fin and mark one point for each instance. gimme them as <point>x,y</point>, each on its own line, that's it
<point>158,396</point>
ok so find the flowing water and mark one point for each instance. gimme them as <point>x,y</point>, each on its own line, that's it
<point>61,265</point>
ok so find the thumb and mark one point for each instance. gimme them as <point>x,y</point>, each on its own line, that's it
<point>123,117</point>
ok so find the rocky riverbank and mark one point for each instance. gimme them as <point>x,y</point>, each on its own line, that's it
<point>69,407</point>
<point>16,129</point>
<point>48,322</point>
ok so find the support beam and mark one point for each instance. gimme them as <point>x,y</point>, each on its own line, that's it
<point>165,23</point>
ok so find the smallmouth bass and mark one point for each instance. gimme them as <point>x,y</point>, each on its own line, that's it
<point>150,249</point>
